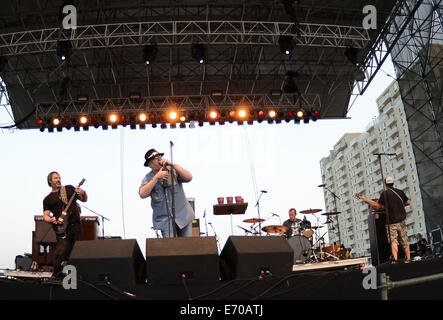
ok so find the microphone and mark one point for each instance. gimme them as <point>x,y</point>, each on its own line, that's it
<point>170,142</point>
<point>166,182</point>
<point>263,191</point>
<point>274,214</point>
<point>321,185</point>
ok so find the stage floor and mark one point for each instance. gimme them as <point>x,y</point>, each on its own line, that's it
<point>315,281</point>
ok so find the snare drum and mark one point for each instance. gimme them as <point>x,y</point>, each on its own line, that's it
<point>302,248</point>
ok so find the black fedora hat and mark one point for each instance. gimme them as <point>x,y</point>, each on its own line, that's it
<point>151,154</point>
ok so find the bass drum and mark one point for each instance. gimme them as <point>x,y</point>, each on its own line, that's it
<point>302,248</point>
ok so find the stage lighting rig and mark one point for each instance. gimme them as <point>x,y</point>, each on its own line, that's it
<point>286,44</point>
<point>64,49</point>
<point>198,52</point>
<point>150,53</point>
<point>352,55</point>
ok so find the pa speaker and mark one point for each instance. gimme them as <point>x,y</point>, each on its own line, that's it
<point>248,257</point>
<point>118,261</point>
<point>174,260</point>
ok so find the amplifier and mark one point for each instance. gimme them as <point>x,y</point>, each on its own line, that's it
<point>436,240</point>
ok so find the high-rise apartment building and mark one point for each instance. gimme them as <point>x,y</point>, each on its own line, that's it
<point>352,167</point>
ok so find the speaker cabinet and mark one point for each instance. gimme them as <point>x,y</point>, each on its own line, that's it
<point>247,257</point>
<point>118,261</point>
<point>379,243</point>
<point>172,260</point>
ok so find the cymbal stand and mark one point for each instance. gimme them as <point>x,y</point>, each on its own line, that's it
<point>245,230</point>
<point>321,253</point>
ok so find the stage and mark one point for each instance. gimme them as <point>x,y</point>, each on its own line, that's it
<point>342,281</point>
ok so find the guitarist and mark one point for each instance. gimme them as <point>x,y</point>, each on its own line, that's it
<point>396,228</point>
<point>55,203</point>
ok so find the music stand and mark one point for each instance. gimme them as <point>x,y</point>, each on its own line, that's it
<point>231,209</point>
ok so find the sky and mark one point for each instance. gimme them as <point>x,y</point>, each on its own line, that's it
<point>229,160</point>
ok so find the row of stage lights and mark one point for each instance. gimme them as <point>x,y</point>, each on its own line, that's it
<point>175,118</point>
<point>199,51</point>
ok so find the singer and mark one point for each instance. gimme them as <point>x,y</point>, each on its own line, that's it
<point>158,185</point>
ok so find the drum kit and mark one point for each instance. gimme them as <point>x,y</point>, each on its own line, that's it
<point>305,249</point>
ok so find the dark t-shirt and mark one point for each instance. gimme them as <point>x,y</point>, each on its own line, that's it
<point>53,203</point>
<point>396,204</point>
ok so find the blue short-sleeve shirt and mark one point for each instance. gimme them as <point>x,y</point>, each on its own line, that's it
<point>161,203</point>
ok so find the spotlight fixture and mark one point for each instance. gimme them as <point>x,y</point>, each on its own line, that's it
<point>198,52</point>
<point>113,119</point>
<point>286,44</point>
<point>213,115</point>
<point>142,117</point>
<point>149,53</point>
<point>300,114</point>
<point>64,49</point>
<point>242,113</point>
<point>352,53</point>
<point>173,115</point>
<point>83,120</point>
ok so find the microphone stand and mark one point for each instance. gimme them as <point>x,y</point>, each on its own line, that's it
<point>173,191</point>
<point>103,220</point>
<point>335,204</point>
<point>276,215</point>
<point>386,200</point>
<point>216,238</point>
<point>258,210</point>
<point>206,223</point>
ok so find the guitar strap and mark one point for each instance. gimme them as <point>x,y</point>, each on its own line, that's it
<point>63,195</point>
<point>397,195</point>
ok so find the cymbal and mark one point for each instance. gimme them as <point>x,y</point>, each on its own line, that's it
<point>275,229</point>
<point>311,211</point>
<point>253,220</point>
<point>330,213</point>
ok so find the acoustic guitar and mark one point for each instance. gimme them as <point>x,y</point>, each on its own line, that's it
<point>62,224</point>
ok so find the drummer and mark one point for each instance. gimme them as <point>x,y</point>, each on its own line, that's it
<point>292,224</point>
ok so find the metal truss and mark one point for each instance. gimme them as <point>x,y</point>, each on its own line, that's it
<point>200,103</point>
<point>385,43</point>
<point>242,39</point>
<point>175,33</point>
<point>418,60</point>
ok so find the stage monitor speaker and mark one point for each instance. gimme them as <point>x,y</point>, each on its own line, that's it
<point>248,257</point>
<point>118,261</point>
<point>172,260</point>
